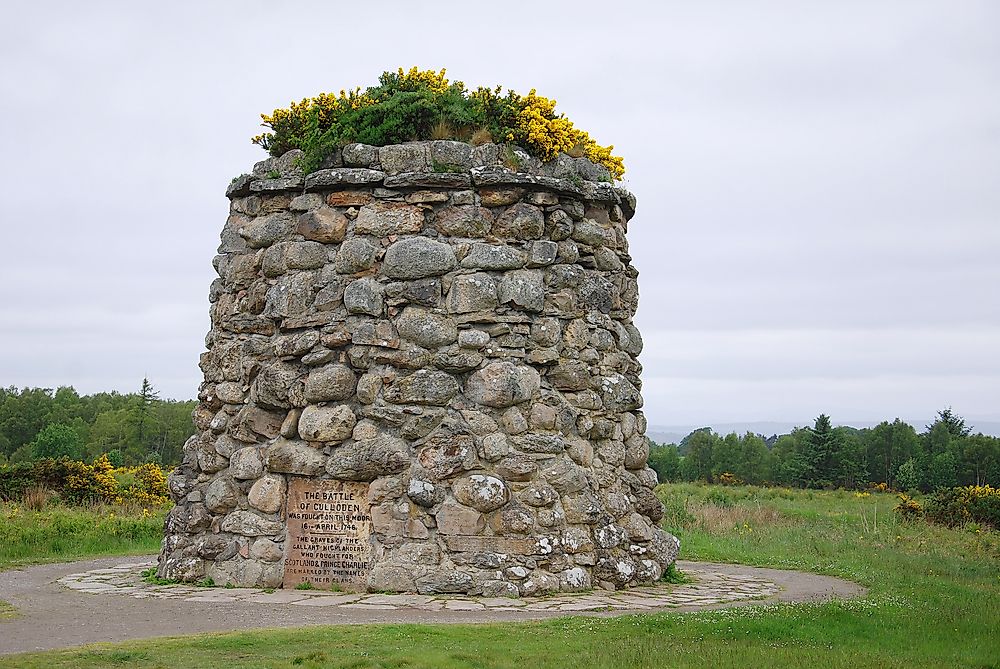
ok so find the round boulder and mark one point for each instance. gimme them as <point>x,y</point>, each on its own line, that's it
<point>502,384</point>
<point>327,423</point>
<point>482,492</point>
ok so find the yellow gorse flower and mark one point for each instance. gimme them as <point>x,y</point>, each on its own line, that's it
<point>435,81</point>
<point>547,135</point>
<point>99,481</point>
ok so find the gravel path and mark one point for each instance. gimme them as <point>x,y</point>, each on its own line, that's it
<point>70,604</point>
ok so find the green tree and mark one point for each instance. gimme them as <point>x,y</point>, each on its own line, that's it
<point>952,422</point>
<point>699,458</point>
<point>908,476</point>
<point>980,456</point>
<point>849,464</point>
<point>139,425</point>
<point>21,454</point>
<point>754,466</point>
<point>887,445</point>
<point>726,455</point>
<point>685,444</point>
<point>174,426</point>
<point>790,465</point>
<point>113,430</point>
<point>664,459</point>
<point>943,445</point>
<point>942,472</point>
<point>145,402</point>
<point>57,441</point>
<point>820,448</point>
<point>23,414</point>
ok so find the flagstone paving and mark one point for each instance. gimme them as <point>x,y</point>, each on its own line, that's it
<point>106,599</point>
<point>708,587</point>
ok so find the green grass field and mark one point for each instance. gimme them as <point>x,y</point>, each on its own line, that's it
<point>58,533</point>
<point>933,602</point>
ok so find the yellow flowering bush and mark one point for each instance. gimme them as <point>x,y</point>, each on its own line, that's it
<point>409,105</point>
<point>728,478</point>
<point>144,485</point>
<point>908,507</point>
<point>965,504</point>
<point>94,482</point>
<point>543,132</point>
<point>416,78</point>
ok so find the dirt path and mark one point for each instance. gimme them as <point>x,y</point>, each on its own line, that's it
<point>106,601</point>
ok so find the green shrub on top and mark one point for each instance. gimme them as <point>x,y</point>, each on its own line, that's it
<point>423,104</point>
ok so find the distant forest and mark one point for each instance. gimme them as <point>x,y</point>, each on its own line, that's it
<point>140,427</point>
<point>945,454</point>
<point>131,428</point>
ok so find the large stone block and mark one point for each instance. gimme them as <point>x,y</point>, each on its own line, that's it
<point>422,387</point>
<point>330,424</point>
<point>267,493</point>
<point>494,257</point>
<point>455,518</point>
<point>502,384</point>
<point>330,383</point>
<point>289,456</point>
<point>521,221</point>
<point>472,292</point>
<point>367,459</point>
<point>481,492</point>
<point>249,524</point>
<point>523,288</point>
<point>324,224</point>
<point>426,328</point>
<point>246,463</point>
<point>464,221</point>
<point>389,218</point>
<point>416,258</point>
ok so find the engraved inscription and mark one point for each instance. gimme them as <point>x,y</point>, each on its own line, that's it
<point>329,526</point>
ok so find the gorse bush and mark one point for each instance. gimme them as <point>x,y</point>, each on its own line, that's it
<point>423,104</point>
<point>908,507</point>
<point>77,482</point>
<point>967,504</point>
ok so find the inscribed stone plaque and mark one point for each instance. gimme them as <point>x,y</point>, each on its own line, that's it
<point>329,525</point>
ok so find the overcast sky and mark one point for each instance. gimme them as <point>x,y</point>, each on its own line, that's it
<point>818,182</point>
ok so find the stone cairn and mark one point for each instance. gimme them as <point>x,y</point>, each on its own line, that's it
<point>446,332</point>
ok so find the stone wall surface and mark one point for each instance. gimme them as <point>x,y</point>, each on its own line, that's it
<point>451,326</point>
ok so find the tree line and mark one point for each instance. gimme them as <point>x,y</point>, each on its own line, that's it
<point>945,454</point>
<point>131,428</point>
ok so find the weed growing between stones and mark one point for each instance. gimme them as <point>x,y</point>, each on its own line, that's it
<point>675,576</point>
<point>149,576</point>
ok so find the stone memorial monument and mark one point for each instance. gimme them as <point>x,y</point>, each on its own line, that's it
<point>421,376</point>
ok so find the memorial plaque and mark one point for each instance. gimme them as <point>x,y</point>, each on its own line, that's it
<point>329,525</point>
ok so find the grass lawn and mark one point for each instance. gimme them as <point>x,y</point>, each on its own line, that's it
<point>7,611</point>
<point>60,534</point>
<point>933,602</point>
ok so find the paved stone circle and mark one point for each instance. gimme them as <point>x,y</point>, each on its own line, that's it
<point>106,600</point>
<point>709,587</point>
